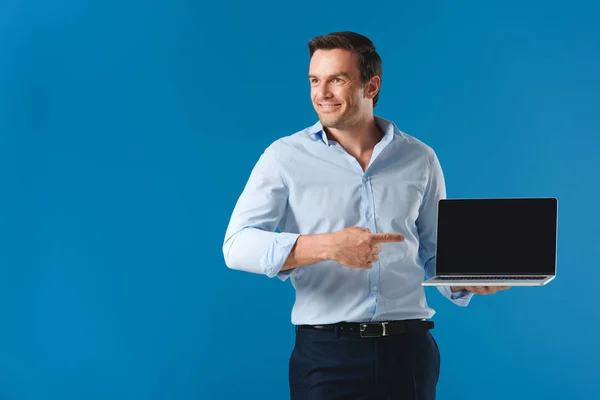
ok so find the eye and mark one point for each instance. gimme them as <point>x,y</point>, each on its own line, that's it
<point>337,80</point>
<point>313,80</point>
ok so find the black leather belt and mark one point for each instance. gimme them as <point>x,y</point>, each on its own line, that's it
<point>374,329</point>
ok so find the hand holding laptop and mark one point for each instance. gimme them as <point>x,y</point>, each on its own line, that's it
<point>479,289</point>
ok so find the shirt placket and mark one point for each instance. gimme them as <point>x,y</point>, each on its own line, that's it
<point>368,216</point>
<point>368,211</point>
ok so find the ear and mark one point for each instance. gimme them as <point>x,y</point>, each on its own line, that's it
<point>372,87</point>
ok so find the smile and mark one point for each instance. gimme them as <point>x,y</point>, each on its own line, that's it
<point>329,106</point>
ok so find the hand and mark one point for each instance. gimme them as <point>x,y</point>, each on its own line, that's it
<point>357,247</point>
<point>480,289</point>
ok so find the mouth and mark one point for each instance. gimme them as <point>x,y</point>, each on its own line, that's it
<point>329,106</point>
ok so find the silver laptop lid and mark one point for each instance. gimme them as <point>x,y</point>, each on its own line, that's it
<point>502,236</point>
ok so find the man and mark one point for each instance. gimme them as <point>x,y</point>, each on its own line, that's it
<point>355,200</point>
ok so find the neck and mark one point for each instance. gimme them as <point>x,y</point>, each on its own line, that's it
<point>358,139</point>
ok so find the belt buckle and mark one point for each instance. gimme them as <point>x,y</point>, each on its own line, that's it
<point>364,333</point>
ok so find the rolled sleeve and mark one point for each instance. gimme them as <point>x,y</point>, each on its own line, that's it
<point>251,242</point>
<point>460,298</point>
<point>274,258</point>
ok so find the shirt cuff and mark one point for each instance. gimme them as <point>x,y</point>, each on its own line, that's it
<point>274,258</point>
<point>462,297</point>
<point>459,294</point>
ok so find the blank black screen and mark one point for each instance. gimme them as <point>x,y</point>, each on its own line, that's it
<point>497,236</point>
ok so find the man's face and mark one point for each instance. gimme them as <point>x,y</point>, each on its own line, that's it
<point>336,90</point>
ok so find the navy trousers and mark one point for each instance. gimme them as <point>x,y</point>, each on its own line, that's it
<point>330,366</point>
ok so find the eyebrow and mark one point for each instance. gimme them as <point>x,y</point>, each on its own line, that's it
<point>345,74</point>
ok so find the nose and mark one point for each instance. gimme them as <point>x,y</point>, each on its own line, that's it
<point>322,92</point>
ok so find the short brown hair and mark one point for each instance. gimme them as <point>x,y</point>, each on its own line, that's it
<point>369,62</point>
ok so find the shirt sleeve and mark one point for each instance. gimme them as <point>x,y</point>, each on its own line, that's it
<point>251,242</point>
<point>435,190</point>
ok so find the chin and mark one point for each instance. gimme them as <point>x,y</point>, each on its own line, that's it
<point>334,124</point>
<point>328,122</point>
<point>331,121</point>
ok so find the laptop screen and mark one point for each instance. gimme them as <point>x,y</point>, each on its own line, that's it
<point>496,236</point>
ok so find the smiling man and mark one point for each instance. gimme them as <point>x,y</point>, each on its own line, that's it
<point>355,200</point>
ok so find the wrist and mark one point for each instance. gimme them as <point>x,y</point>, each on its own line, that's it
<point>328,248</point>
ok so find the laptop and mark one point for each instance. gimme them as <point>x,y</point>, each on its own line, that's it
<point>496,242</point>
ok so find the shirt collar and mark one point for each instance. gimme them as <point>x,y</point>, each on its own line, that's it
<point>387,127</point>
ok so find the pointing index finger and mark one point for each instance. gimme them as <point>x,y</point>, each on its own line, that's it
<point>386,237</point>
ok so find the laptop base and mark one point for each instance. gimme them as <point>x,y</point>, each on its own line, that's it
<point>485,281</point>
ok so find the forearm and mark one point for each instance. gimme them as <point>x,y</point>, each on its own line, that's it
<point>309,249</point>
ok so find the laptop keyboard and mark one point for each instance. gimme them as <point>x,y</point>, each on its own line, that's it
<point>486,278</point>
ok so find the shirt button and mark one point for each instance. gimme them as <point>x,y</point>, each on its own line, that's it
<point>368,215</point>
<point>375,288</point>
<point>365,179</point>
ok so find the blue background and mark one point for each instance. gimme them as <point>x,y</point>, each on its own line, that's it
<point>129,128</point>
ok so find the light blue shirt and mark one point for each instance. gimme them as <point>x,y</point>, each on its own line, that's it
<point>306,184</point>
